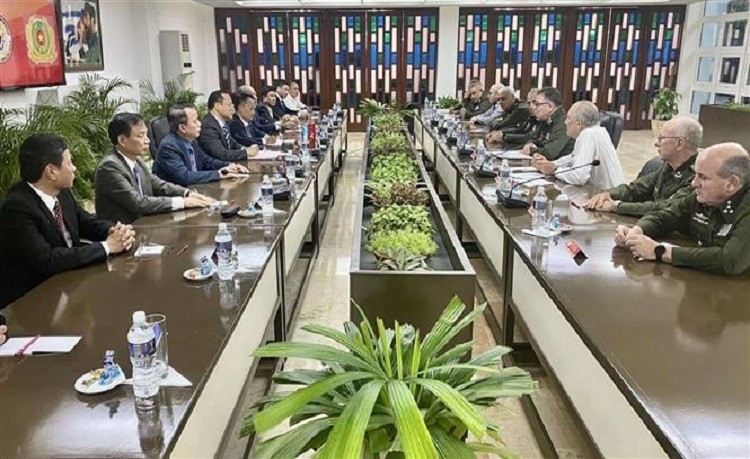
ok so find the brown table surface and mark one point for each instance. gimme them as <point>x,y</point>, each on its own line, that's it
<point>41,414</point>
<point>679,339</point>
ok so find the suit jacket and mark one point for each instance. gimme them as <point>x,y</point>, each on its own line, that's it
<point>117,197</point>
<point>246,135</point>
<point>215,144</point>
<point>32,249</point>
<point>263,119</point>
<point>172,163</point>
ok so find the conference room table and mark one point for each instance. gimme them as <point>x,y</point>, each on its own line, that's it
<point>212,326</point>
<point>655,359</point>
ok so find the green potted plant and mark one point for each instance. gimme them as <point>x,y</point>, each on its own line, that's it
<point>665,107</point>
<point>388,393</point>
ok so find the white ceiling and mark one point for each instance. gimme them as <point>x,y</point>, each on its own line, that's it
<point>276,4</point>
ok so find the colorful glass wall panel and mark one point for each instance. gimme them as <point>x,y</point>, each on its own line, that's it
<point>348,61</point>
<point>234,49</point>
<point>272,49</point>
<point>588,50</point>
<point>625,41</point>
<point>509,49</point>
<point>304,33</point>
<point>472,49</point>
<point>420,41</point>
<point>662,56</point>
<point>383,38</point>
<point>546,49</point>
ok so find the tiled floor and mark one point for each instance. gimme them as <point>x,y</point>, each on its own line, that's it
<point>327,302</point>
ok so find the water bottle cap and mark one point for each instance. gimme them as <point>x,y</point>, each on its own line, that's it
<point>139,317</point>
<point>265,177</point>
<point>222,226</point>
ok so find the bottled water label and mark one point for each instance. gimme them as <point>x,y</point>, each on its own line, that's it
<point>266,193</point>
<point>224,248</point>
<point>139,350</point>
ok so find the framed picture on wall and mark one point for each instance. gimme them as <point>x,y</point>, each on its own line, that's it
<point>81,35</point>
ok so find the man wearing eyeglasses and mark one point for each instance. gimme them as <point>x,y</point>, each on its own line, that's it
<point>716,217</point>
<point>678,146</point>
<point>515,115</point>
<point>551,140</point>
<point>476,103</point>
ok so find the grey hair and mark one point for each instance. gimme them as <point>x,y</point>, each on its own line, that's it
<point>690,130</point>
<point>476,83</point>
<point>508,90</point>
<point>586,112</point>
<point>738,164</point>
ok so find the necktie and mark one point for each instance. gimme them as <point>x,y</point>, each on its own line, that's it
<point>57,212</point>
<point>225,131</point>
<point>137,175</point>
<point>191,159</point>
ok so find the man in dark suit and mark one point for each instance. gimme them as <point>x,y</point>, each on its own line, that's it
<point>216,139</point>
<point>265,119</point>
<point>125,188</point>
<point>282,92</point>
<point>181,159</point>
<point>41,225</point>
<point>242,127</point>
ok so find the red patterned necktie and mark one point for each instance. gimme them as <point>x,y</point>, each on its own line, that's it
<point>57,211</point>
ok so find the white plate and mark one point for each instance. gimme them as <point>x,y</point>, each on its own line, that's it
<point>95,387</point>
<point>248,214</point>
<point>200,277</point>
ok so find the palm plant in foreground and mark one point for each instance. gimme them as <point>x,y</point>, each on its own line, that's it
<point>388,392</point>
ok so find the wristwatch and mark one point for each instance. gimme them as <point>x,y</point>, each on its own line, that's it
<point>659,252</point>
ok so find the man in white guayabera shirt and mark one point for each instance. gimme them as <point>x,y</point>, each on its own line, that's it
<point>495,111</point>
<point>592,143</point>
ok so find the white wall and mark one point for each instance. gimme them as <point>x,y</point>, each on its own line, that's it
<point>689,54</point>
<point>447,51</point>
<point>130,38</point>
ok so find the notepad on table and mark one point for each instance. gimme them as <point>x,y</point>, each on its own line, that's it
<point>265,155</point>
<point>39,345</point>
<point>509,154</point>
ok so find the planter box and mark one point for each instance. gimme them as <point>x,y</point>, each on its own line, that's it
<point>415,297</point>
<point>721,124</point>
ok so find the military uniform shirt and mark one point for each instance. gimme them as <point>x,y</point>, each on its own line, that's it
<point>655,191</point>
<point>512,120</point>
<point>526,133</point>
<point>476,108</point>
<point>552,137</point>
<point>722,232</point>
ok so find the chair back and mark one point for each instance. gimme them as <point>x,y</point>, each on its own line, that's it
<point>613,123</point>
<point>652,165</point>
<point>158,130</point>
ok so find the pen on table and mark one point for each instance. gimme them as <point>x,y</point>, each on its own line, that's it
<point>22,351</point>
<point>182,250</point>
<point>576,205</point>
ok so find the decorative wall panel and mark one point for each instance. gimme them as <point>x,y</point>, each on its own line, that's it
<point>304,32</point>
<point>588,51</point>
<point>272,47</point>
<point>662,56</point>
<point>383,39</point>
<point>348,59</point>
<point>234,36</point>
<point>420,46</point>
<point>622,73</point>
<point>546,49</point>
<point>473,35</point>
<point>509,49</point>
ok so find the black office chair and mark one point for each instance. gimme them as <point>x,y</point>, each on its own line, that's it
<point>652,165</point>
<point>158,130</point>
<point>613,123</point>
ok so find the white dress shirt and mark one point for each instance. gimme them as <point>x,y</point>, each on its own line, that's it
<point>294,103</point>
<point>178,203</point>
<point>495,111</point>
<point>593,143</point>
<point>49,202</point>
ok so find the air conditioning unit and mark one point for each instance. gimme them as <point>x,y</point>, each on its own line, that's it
<point>174,47</point>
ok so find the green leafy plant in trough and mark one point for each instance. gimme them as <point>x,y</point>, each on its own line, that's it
<point>401,218</point>
<point>388,143</point>
<point>393,168</point>
<point>388,391</point>
<point>384,194</point>
<point>414,243</point>
<point>386,124</point>
<point>400,259</point>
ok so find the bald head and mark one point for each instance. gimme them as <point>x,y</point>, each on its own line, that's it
<point>721,170</point>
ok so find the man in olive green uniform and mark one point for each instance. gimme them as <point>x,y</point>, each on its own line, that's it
<point>477,103</point>
<point>551,139</point>
<point>716,216</point>
<point>515,114</point>
<point>678,146</point>
<point>527,131</point>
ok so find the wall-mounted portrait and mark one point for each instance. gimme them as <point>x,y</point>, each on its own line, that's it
<point>81,35</point>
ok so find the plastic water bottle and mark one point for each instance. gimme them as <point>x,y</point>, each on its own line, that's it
<point>303,135</point>
<point>142,348</point>
<point>481,154</point>
<point>266,196</point>
<point>223,244</point>
<point>305,157</point>
<point>540,205</point>
<point>504,175</point>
